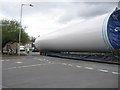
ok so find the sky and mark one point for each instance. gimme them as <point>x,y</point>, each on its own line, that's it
<point>49,16</point>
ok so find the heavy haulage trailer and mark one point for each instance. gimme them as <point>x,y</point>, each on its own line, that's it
<point>100,34</point>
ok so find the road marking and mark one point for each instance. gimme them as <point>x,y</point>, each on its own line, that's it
<point>70,65</point>
<point>103,70</point>
<point>35,65</point>
<point>12,68</point>
<point>25,66</point>
<point>89,68</point>
<point>1,60</point>
<point>49,62</point>
<point>40,59</point>
<point>43,60</point>
<point>115,72</point>
<point>4,60</point>
<point>64,63</point>
<point>19,62</point>
<point>78,66</point>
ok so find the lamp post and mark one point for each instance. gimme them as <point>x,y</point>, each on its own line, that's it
<point>21,24</point>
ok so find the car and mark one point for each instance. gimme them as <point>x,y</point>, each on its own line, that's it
<point>22,48</point>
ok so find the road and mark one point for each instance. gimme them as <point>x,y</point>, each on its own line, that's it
<point>35,71</point>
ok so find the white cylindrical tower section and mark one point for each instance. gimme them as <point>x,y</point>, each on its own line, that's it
<point>99,34</point>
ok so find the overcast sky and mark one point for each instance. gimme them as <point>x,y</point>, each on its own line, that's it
<point>47,17</point>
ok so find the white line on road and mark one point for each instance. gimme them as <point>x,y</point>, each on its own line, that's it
<point>103,70</point>
<point>1,60</point>
<point>89,68</point>
<point>64,63</point>
<point>115,73</point>
<point>43,60</point>
<point>4,60</point>
<point>49,62</point>
<point>12,68</point>
<point>78,66</point>
<point>35,65</point>
<point>19,62</point>
<point>70,65</point>
<point>26,66</point>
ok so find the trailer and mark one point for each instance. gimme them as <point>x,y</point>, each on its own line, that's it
<point>101,34</point>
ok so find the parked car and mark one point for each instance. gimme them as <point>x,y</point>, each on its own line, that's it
<point>22,48</point>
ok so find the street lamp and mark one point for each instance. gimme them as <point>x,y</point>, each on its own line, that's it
<point>21,24</point>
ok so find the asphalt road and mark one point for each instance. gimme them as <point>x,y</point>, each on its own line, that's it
<point>35,71</point>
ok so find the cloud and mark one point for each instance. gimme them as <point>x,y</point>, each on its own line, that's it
<point>46,17</point>
<point>71,10</point>
<point>87,10</point>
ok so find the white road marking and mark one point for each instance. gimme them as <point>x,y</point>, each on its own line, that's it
<point>43,60</point>
<point>26,66</point>
<point>19,62</point>
<point>103,70</point>
<point>115,72</point>
<point>35,65</point>
<point>89,68</point>
<point>70,65</point>
<point>4,60</point>
<point>1,60</point>
<point>78,66</point>
<point>40,59</point>
<point>12,68</point>
<point>64,63</point>
<point>49,62</point>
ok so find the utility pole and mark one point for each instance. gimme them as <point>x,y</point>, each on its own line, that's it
<point>21,25</point>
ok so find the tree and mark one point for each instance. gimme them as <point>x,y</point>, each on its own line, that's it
<point>10,32</point>
<point>32,39</point>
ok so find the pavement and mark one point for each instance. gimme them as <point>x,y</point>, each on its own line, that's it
<point>36,71</point>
